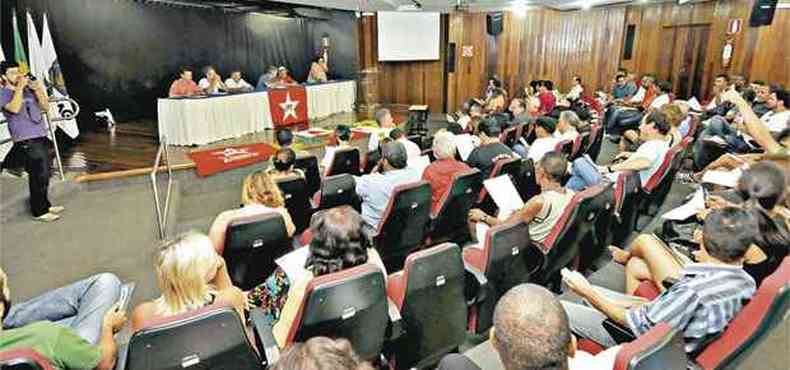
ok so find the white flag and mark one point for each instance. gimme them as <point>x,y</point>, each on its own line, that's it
<point>56,85</point>
<point>2,55</point>
<point>34,49</point>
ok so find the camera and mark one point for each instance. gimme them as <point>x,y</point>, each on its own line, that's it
<point>31,77</point>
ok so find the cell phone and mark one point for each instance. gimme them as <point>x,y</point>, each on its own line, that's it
<point>125,297</point>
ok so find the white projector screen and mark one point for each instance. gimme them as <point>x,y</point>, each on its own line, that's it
<point>408,36</point>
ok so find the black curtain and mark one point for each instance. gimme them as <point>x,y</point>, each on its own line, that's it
<point>123,55</point>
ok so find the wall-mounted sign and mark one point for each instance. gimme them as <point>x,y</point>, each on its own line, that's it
<point>734,26</point>
<point>467,51</point>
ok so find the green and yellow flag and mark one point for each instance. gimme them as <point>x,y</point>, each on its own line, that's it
<point>19,48</point>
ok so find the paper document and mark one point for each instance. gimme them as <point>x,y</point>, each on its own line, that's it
<point>722,178</point>
<point>419,163</point>
<point>694,104</point>
<point>505,195</point>
<point>481,229</point>
<point>464,121</point>
<point>293,264</point>
<point>465,145</point>
<point>696,204</point>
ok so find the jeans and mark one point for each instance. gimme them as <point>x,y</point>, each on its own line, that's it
<point>583,174</point>
<point>520,149</point>
<point>623,119</point>
<point>37,165</point>
<point>80,306</point>
<point>14,159</point>
<point>705,153</point>
<point>587,322</point>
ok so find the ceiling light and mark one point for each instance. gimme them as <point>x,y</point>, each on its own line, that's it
<point>519,8</point>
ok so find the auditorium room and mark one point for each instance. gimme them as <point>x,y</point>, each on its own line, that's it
<point>394,184</point>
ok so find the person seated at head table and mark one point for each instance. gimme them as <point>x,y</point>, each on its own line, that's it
<point>77,341</point>
<point>283,165</point>
<point>646,160</point>
<point>338,244</point>
<point>705,298</point>
<point>236,84</point>
<point>259,195</point>
<point>490,150</point>
<point>531,331</point>
<point>212,83</point>
<point>283,78</point>
<point>318,70</point>
<point>542,211</point>
<point>321,353</point>
<point>343,138</point>
<point>267,79</point>
<point>191,275</point>
<point>184,85</point>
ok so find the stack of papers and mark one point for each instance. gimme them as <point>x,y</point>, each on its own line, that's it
<point>722,178</point>
<point>696,204</point>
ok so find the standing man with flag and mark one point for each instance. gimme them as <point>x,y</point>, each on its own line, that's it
<point>22,106</point>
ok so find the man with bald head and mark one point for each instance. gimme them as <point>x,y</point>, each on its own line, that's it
<point>531,331</point>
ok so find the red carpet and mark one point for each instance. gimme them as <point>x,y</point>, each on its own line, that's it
<point>217,160</point>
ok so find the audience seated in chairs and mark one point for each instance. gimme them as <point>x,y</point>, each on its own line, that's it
<point>518,109</point>
<point>531,331</point>
<point>630,141</point>
<point>763,186</point>
<point>543,210</point>
<point>72,326</point>
<point>376,188</point>
<point>546,97</point>
<point>343,137</point>
<point>338,243</point>
<point>646,160</point>
<point>627,113</point>
<point>567,126</point>
<point>485,156</point>
<point>283,165</point>
<point>259,195</point>
<point>384,119</point>
<point>321,353</point>
<point>191,275</point>
<point>545,141</point>
<point>440,173</point>
<point>707,295</point>
<point>413,151</point>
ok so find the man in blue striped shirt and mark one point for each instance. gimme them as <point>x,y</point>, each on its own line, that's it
<point>701,303</point>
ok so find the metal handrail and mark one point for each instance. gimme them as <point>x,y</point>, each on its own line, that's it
<point>162,215</point>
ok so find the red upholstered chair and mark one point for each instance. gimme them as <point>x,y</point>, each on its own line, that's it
<point>252,244</point>
<point>404,224</point>
<point>627,190</point>
<point>565,148</point>
<point>312,174</point>
<point>212,337</point>
<point>349,304</point>
<point>345,160</point>
<point>429,293</point>
<point>657,187</point>
<point>747,339</point>
<point>507,258</point>
<point>661,348</point>
<point>581,142</point>
<point>596,141</point>
<point>450,221</point>
<point>23,359</point>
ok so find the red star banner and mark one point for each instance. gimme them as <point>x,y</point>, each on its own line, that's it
<point>211,161</point>
<point>288,106</point>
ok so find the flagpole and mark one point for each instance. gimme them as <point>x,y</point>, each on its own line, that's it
<point>57,147</point>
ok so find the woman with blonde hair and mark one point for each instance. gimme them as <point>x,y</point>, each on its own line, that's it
<point>191,275</point>
<point>259,195</point>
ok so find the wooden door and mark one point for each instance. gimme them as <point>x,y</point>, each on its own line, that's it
<point>683,61</point>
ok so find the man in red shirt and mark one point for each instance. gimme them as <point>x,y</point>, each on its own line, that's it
<point>184,86</point>
<point>440,173</point>
<point>546,97</point>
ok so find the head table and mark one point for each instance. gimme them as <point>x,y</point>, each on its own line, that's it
<point>202,120</point>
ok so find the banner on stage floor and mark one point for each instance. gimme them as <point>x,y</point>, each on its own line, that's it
<point>288,106</point>
<point>213,161</point>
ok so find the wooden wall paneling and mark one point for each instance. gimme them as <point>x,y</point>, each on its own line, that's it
<point>771,60</point>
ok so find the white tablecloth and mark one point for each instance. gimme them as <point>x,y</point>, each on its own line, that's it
<point>204,120</point>
<point>327,99</point>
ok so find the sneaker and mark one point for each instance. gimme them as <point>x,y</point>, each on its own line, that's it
<point>56,209</point>
<point>47,217</point>
<point>15,173</point>
<point>715,141</point>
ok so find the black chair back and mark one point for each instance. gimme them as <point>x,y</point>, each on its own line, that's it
<point>452,217</point>
<point>525,181</point>
<point>404,224</point>
<point>346,160</point>
<point>252,244</point>
<point>372,158</point>
<point>433,308</point>
<point>309,165</point>
<point>297,201</point>
<point>210,338</point>
<point>339,190</point>
<point>596,141</point>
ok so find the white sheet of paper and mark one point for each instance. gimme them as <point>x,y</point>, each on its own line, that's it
<point>465,145</point>
<point>481,229</point>
<point>694,104</point>
<point>696,204</point>
<point>419,163</point>
<point>293,263</point>
<point>449,118</point>
<point>464,121</point>
<point>505,195</point>
<point>722,178</point>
